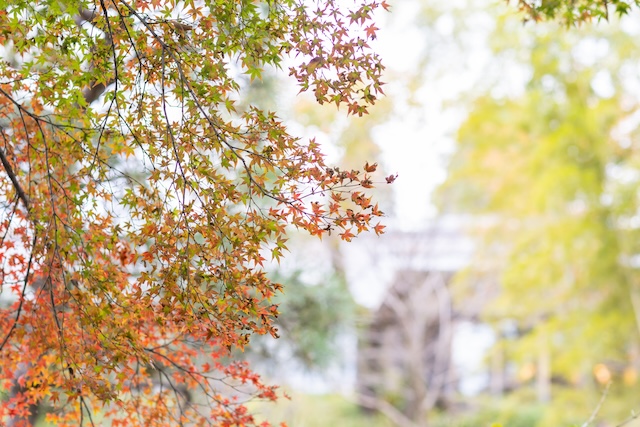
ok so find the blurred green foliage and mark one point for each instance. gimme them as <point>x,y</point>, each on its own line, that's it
<point>553,175</point>
<point>312,317</point>
<point>515,410</point>
<point>304,410</point>
<point>555,172</point>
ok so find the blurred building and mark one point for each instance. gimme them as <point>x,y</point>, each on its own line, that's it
<point>414,350</point>
<point>405,350</point>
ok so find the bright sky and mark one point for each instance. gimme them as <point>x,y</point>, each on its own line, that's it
<point>417,141</point>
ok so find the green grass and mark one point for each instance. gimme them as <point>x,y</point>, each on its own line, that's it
<point>305,410</point>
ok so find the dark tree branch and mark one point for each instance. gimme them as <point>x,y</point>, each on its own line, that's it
<point>12,176</point>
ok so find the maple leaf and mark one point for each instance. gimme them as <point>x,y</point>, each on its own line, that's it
<point>371,31</point>
<point>347,235</point>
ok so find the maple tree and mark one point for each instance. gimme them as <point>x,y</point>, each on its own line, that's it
<point>575,11</point>
<point>139,204</point>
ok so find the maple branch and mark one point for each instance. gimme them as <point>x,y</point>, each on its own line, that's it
<point>196,100</point>
<point>12,176</point>
<point>22,296</point>
<point>93,92</point>
<point>178,391</point>
<point>191,374</point>
<point>85,15</point>
<point>95,89</point>
<point>83,402</point>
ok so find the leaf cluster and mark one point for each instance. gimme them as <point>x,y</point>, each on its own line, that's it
<point>571,12</point>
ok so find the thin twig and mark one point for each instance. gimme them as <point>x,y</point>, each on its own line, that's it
<point>27,276</point>
<point>597,408</point>
<point>385,408</point>
<point>634,415</point>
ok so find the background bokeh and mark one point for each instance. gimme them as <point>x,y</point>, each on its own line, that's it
<point>507,287</point>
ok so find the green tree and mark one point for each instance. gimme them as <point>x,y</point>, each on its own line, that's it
<point>553,174</point>
<point>311,320</point>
